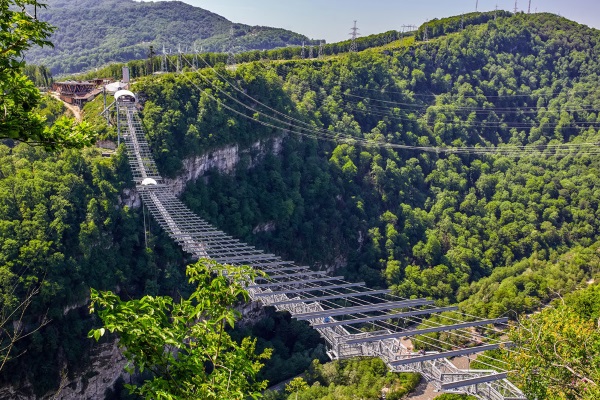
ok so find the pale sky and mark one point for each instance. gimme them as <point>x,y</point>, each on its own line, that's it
<point>332,19</point>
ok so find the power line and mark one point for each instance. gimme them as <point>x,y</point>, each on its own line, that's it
<point>408,319</point>
<point>562,149</point>
<point>504,110</point>
<point>507,96</point>
<point>465,124</point>
<point>231,54</point>
<point>179,59</point>
<point>163,65</point>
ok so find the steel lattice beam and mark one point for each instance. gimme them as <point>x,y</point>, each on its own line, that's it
<point>332,297</point>
<point>362,309</point>
<point>474,381</point>
<point>296,283</point>
<point>446,354</point>
<point>310,289</point>
<point>384,317</point>
<point>423,331</point>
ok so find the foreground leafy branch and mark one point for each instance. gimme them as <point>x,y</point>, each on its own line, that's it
<point>20,31</point>
<point>185,344</point>
<point>558,350</point>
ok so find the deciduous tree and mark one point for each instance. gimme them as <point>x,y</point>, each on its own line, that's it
<point>184,344</point>
<point>19,31</point>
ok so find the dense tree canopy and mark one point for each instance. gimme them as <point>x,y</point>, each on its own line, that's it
<point>502,233</point>
<point>558,349</point>
<point>366,378</point>
<point>20,31</point>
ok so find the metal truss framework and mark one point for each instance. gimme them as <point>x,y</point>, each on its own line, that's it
<point>354,320</point>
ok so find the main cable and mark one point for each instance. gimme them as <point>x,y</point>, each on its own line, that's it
<point>337,136</point>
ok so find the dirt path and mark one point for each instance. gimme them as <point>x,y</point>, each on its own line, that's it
<point>279,387</point>
<point>425,391</point>
<point>74,109</point>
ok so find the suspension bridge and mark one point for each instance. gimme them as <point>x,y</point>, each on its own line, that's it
<point>355,321</point>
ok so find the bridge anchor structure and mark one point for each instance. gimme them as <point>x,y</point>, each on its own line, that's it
<point>354,320</point>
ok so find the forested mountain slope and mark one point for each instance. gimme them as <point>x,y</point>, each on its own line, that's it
<point>91,33</point>
<point>497,233</point>
<point>502,233</point>
<point>64,229</point>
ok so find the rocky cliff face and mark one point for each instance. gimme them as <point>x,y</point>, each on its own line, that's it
<point>104,371</point>
<point>223,160</point>
<point>106,368</point>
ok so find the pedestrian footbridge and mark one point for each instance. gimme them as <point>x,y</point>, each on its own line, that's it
<point>354,320</point>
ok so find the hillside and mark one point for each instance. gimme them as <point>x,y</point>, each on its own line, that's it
<point>91,33</point>
<point>502,233</point>
<point>499,234</point>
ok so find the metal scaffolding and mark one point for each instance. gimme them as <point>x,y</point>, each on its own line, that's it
<point>339,310</point>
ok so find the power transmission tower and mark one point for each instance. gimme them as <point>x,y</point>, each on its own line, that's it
<point>302,51</point>
<point>462,22</point>
<point>354,35</point>
<point>310,51</point>
<point>496,12</point>
<point>516,9</point>
<point>404,27</point>
<point>529,8</point>
<point>179,60</point>
<point>163,65</point>
<point>321,49</point>
<point>476,5</point>
<point>231,55</point>
<point>151,55</point>
<point>195,61</point>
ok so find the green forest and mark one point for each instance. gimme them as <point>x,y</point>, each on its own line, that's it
<point>498,234</point>
<point>366,378</point>
<point>91,33</point>
<point>61,233</point>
